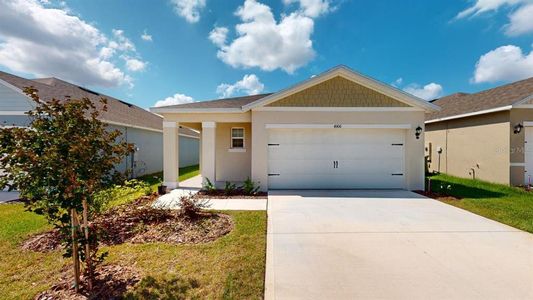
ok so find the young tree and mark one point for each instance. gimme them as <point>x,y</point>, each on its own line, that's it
<point>58,163</point>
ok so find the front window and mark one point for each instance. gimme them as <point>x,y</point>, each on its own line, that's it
<point>237,137</point>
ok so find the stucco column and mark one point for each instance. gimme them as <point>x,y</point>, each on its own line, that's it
<point>208,151</point>
<point>170,154</point>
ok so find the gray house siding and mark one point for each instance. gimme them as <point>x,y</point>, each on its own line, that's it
<point>148,157</point>
<point>13,100</point>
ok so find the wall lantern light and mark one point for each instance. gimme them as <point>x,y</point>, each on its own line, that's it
<point>518,128</point>
<point>418,132</point>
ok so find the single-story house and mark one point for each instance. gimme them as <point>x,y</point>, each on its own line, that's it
<point>336,130</point>
<point>486,135</point>
<point>139,126</point>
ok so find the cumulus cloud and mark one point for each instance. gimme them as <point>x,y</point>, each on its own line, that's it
<point>520,21</point>
<point>218,36</point>
<point>134,64</point>
<point>428,92</point>
<point>506,63</point>
<point>174,100</point>
<point>47,41</point>
<point>249,85</point>
<point>265,43</point>
<point>312,8</point>
<point>189,9</point>
<point>146,37</point>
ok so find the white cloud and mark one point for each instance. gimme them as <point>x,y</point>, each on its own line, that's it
<point>506,63</point>
<point>428,92</point>
<point>521,21</point>
<point>47,41</point>
<point>146,37</point>
<point>312,8</point>
<point>263,42</point>
<point>189,9</point>
<point>249,85</point>
<point>397,82</point>
<point>134,64</point>
<point>174,100</point>
<point>218,36</point>
<point>483,6</point>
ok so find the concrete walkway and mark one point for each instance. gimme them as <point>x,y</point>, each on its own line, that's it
<point>193,185</point>
<point>8,196</point>
<point>390,245</point>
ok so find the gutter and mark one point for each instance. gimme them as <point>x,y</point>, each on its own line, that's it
<point>476,113</point>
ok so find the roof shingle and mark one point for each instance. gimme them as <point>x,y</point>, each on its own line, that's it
<point>236,102</point>
<point>462,103</point>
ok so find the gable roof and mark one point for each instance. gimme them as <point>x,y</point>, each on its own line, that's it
<point>243,104</point>
<point>498,98</point>
<point>118,112</point>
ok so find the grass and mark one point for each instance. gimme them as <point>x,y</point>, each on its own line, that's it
<point>231,267</point>
<point>509,205</point>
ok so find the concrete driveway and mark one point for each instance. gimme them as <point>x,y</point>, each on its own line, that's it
<point>390,245</point>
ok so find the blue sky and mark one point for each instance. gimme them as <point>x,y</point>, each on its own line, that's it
<point>204,49</point>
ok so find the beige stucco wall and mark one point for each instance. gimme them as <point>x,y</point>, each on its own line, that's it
<point>479,142</point>
<point>338,92</point>
<point>232,166</point>
<point>518,116</point>
<point>414,148</point>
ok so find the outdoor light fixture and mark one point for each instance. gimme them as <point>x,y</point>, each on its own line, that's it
<point>518,128</point>
<point>418,132</point>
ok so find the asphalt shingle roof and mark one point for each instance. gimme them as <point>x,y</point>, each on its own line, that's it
<point>462,103</point>
<point>236,102</point>
<point>117,110</point>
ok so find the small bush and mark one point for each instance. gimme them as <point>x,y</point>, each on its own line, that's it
<point>249,187</point>
<point>229,188</point>
<point>191,206</point>
<point>208,186</point>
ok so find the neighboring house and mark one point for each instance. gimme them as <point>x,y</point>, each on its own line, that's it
<point>140,127</point>
<point>337,130</point>
<point>486,135</point>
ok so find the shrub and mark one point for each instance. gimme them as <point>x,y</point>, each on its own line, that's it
<point>120,194</point>
<point>191,206</point>
<point>229,188</point>
<point>249,187</point>
<point>208,186</point>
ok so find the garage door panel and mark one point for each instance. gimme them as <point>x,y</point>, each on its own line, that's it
<point>364,158</point>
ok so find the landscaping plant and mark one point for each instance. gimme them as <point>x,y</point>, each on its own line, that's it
<point>249,187</point>
<point>229,188</point>
<point>65,157</point>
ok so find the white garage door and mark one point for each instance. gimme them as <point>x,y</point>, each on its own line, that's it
<point>336,159</point>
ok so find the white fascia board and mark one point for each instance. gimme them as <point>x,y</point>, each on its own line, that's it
<point>162,110</point>
<point>131,126</point>
<point>476,113</point>
<point>338,126</point>
<point>338,109</point>
<point>13,113</point>
<point>350,75</point>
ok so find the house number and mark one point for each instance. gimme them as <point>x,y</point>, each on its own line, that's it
<point>337,126</point>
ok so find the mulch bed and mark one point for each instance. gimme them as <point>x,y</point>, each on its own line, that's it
<point>438,196</point>
<point>111,282</point>
<point>221,194</point>
<point>138,222</point>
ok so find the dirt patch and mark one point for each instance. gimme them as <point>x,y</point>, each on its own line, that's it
<point>438,196</point>
<point>139,222</point>
<point>111,282</point>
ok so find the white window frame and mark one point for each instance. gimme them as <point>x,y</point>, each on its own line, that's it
<point>233,149</point>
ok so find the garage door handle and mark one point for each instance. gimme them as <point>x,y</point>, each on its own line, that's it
<point>397,174</point>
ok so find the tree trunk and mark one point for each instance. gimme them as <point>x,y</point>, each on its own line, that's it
<point>88,258</point>
<point>75,258</point>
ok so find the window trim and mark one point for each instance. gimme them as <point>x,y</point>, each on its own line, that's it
<point>234,138</point>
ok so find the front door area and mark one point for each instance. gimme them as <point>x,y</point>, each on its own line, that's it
<point>336,158</point>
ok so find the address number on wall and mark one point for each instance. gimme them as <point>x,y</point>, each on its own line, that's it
<point>337,125</point>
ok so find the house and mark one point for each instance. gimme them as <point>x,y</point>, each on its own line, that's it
<point>337,130</point>
<point>486,135</point>
<point>139,126</point>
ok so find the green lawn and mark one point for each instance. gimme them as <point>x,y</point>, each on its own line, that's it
<point>510,205</point>
<point>232,267</point>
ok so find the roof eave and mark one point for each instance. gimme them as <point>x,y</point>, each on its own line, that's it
<point>163,110</point>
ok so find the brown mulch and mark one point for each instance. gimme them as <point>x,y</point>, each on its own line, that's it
<point>138,222</point>
<point>438,196</point>
<point>111,282</point>
<point>221,194</point>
